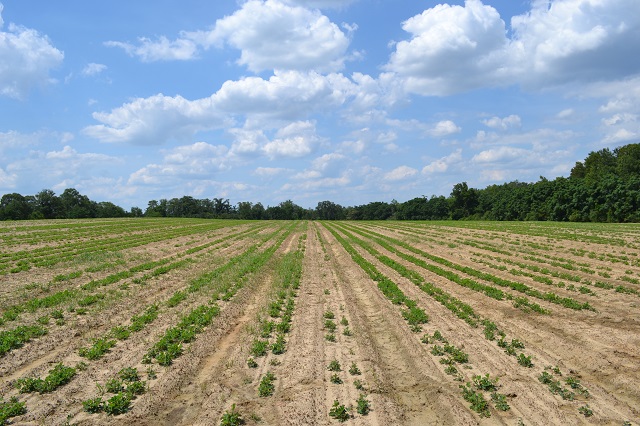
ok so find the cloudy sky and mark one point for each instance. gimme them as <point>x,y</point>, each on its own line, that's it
<point>344,100</point>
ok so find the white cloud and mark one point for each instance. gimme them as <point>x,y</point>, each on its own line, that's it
<point>13,139</point>
<point>444,128</point>
<point>501,154</point>
<point>272,35</point>
<point>296,140</point>
<point>162,49</point>
<point>66,166</point>
<point>565,114</point>
<point>400,173</point>
<point>503,123</point>
<point>93,69</point>
<point>247,142</point>
<point>621,135</point>
<point>155,120</point>
<point>270,172</point>
<point>443,164</point>
<point>454,49</point>
<point>27,59</point>
<point>7,181</point>
<point>286,95</point>
<point>198,161</point>
<point>576,41</point>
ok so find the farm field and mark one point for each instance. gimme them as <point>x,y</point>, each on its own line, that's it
<point>199,322</point>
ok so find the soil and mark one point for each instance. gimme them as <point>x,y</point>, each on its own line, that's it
<point>400,377</point>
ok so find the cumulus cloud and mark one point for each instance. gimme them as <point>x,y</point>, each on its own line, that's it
<point>288,95</point>
<point>443,164</point>
<point>7,181</point>
<point>162,49</point>
<point>270,172</point>
<point>62,166</point>
<point>400,173</point>
<point>273,35</point>
<point>200,160</point>
<point>92,69</point>
<point>454,49</point>
<point>444,128</point>
<point>27,59</point>
<point>155,120</point>
<point>270,35</point>
<point>296,140</point>
<point>503,123</point>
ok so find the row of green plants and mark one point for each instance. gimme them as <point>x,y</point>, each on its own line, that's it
<point>414,315</point>
<point>491,330</point>
<point>512,348</point>
<point>117,394</point>
<point>158,267</point>
<point>48,256</point>
<point>567,302</point>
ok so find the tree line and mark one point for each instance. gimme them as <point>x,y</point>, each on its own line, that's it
<point>605,187</point>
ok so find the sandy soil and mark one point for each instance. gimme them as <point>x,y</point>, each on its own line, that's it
<point>402,380</point>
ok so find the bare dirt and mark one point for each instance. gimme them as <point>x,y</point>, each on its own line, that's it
<point>400,377</point>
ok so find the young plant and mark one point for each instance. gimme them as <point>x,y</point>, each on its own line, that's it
<point>118,404</point>
<point>339,412</point>
<point>266,387</point>
<point>500,401</point>
<point>354,370</point>
<point>231,418</point>
<point>362,405</point>
<point>334,366</point>
<point>93,405</point>
<point>335,379</point>
<point>259,348</point>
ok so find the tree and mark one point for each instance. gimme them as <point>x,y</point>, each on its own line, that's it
<point>327,210</point>
<point>49,204</point>
<point>14,207</point>
<point>464,201</point>
<point>76,205</point>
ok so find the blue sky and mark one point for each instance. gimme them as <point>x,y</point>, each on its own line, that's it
<point>309,100</point>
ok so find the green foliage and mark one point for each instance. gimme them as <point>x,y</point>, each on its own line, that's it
<point>114,386</point>
<point>363,406</point>
<point>13,339</point>
<point>500,401</point>
<point>485,383</point>
<point>334,366</point>
<point>525,360</point>
<point>11,408</point>
<point>478,403</point>
<point>93,405</point>
<point>259,347</point>
<point>120,332</point>
<point>279,346</point>
<point>354,370</point>
<point>335,379</point>
<point>129,374</point>
<point>586,410</point>
<point>266,387</point>
<point>231,417</point>
<point>339,412</point>
<point>251,363</point>
<point>118,404</point>
<point>98,349</point>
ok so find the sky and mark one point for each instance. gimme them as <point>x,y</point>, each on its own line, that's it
<point>351,101</point>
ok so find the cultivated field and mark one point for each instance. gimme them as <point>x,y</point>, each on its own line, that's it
<point>199,322</point>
